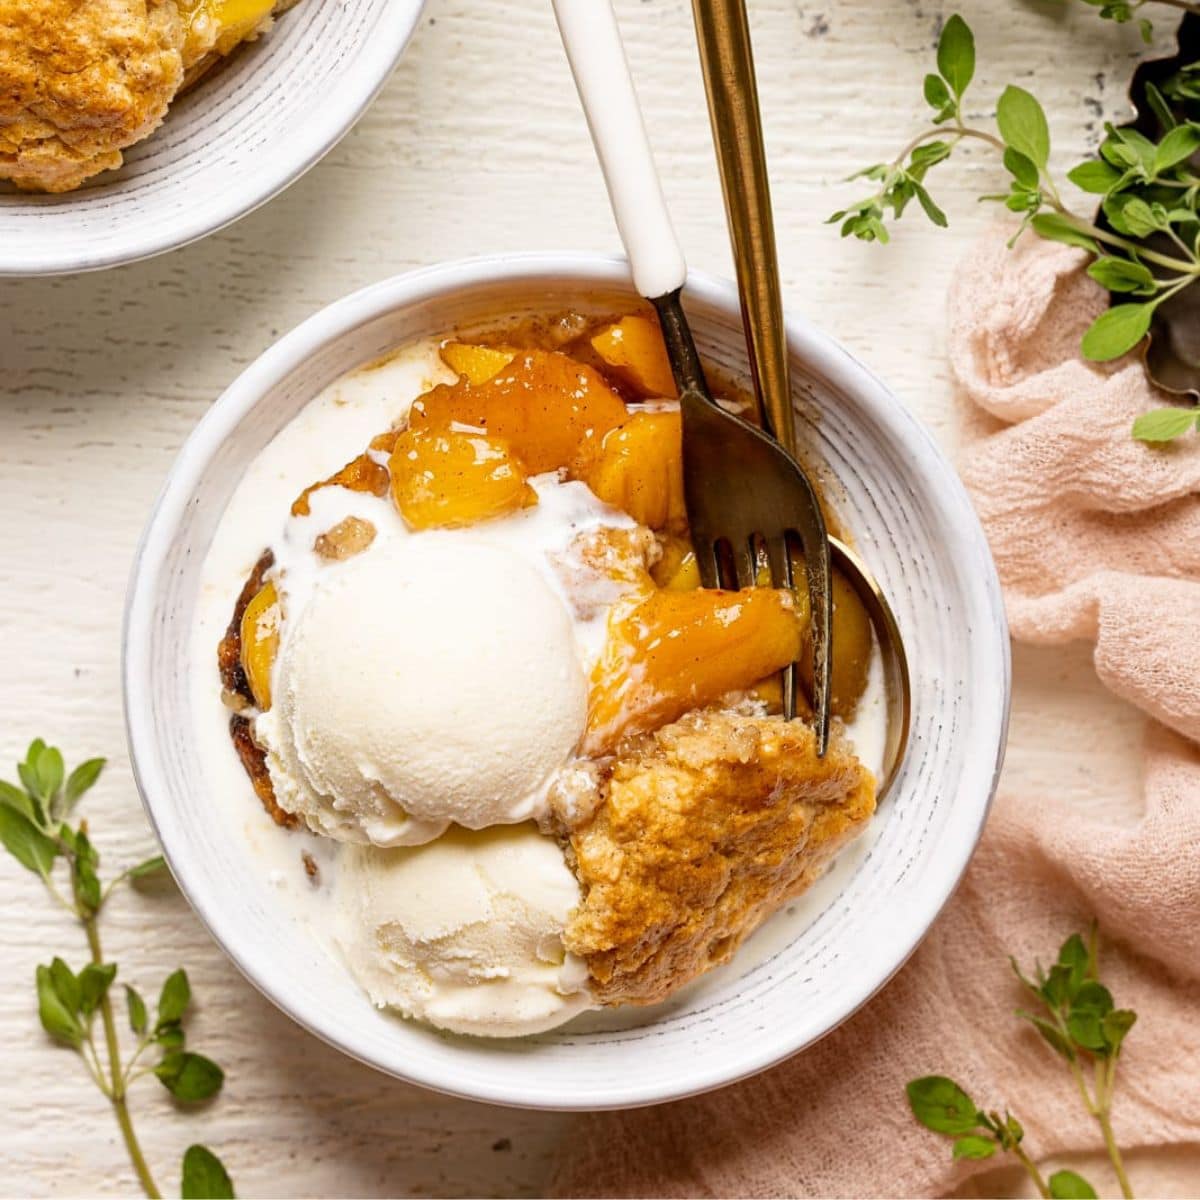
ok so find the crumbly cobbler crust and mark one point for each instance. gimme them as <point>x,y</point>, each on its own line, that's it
<point>701,830</point>
<point>81,80</point>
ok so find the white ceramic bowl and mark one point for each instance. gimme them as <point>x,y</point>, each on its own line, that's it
<point>231,143</point>
<point>914,525</point>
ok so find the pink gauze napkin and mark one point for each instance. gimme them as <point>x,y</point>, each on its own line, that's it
<point>1096,537</point>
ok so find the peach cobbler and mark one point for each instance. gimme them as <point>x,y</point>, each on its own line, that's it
<point>478,656</point>
<point>82,80</point>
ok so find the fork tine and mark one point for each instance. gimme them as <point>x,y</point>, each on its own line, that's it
<point>706,560</point>
<point>780,562</point>
<point>745,563</point>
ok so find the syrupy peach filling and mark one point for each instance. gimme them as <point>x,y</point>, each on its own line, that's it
<point>466,456</point>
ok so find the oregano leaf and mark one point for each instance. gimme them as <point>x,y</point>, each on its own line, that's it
<point>1023,125</point>
<point>956,54</point>
<point>941,1105</point>
<point>1117,331</point>
<point>1165,424</point>
<point>204,1176</point>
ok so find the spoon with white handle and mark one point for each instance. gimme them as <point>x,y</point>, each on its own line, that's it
<point>746,496</point>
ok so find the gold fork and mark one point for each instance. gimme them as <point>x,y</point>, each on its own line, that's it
<point>727,58</point>
<point>747,498</point>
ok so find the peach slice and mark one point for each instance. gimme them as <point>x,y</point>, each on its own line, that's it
<point>447,479</point>
<point>545,405</point>
<point>638,468</point>
<point>236,20</point>
<point>477,363</point>
<point>671,652</point>
<point>260,642</point>
<point>677,569</point>
<point>633,348</point>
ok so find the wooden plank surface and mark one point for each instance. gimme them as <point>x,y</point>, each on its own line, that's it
<point>476,145</point>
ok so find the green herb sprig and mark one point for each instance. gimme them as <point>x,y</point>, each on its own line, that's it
<point>1122,11</point>
<point>1075,1015</point>
<point>36,829</point>
<point>1149,246</point>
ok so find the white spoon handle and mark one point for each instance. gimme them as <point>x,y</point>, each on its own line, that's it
<point>597,56</point>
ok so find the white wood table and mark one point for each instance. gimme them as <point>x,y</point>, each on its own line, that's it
<point>476,145</point>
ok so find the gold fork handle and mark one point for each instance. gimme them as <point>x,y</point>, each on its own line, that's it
<point>727,58</point>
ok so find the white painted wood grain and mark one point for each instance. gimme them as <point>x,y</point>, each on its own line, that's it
<point>476,145</point>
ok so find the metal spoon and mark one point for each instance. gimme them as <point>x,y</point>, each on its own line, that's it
<point>746,496</point>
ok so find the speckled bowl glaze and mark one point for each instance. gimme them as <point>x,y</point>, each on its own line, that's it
<point>913,523</point>
<point>239,137</point>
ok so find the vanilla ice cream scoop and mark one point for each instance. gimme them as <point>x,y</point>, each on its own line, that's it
<point>466,932</point>
<point>428,681</point>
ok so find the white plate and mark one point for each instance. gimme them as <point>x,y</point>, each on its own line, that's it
<point>913,524</point>
<point>231,143</point>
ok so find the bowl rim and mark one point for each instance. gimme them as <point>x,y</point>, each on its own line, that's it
<point>331,122</point>
<point>274,365</point>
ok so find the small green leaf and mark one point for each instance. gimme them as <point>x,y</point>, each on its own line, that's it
<point>189,1077</point>
<point>82,779</point>
<point>1094,997</point>
<point>937,94</point>
<point>1021,168</point>
<point>25,842</point>
<point>1165,424</point>
<point>974,1146</point>
<point>1123,275</point>
<point>174,999</point>
<point>931,210</point>
<point>1084,1026</point>
<point>1140,218</point>
<point>94,981</point>
<point>87,883</point>
<point>1160,107</point>
<point>927,155</point>
<point>1095,177</point>
<point>1146,29</point>
<point>1117,331</point>
<point>1116,1025</point>
<point>1014,1129</point>
<point>12,796</point>
<point>1023,125</point>
<point>50,771</point>
<point>941,1105</point>
<point>66,985</point>
<point>57,1020</point>
<point>1179,145</point>
<point>204,1176</point>
<point>1073,954</point>
<point>1050,1034</point>
<point>956,54</point>
<point>1025,980</point>
<point>1057,986</point>
<point>1057,228</point>
<point>1130,148</point>
<point>170,1037</point>
<point>136,1008</point>
<point>1066,1185</point>
<point>151,866</point>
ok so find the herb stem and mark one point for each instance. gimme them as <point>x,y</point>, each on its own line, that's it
<point>1114,1154</point>
<point>116,1093</point>
<point>959,131</point>
<point>1081,1083</point>
<point>1034,1174</point>
<point>1106,1073</point>
<point>1112,239</point>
